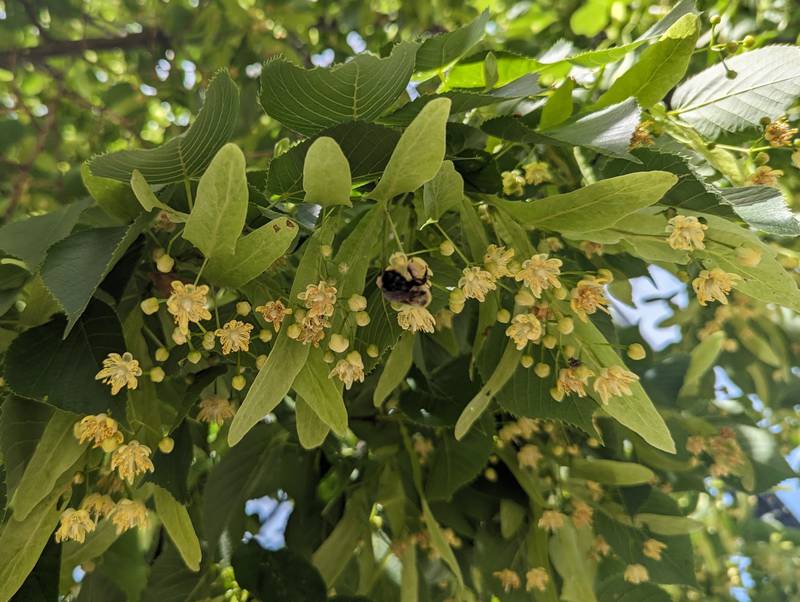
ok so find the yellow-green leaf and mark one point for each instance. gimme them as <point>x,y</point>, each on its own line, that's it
<point>179,527</point>
<point>326,174</point>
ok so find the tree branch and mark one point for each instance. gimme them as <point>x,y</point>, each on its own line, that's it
<point>35,54</point>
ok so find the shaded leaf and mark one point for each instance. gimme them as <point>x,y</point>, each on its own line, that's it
<point>444,48</point>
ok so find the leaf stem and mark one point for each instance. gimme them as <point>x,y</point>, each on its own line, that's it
<point>188,187</point>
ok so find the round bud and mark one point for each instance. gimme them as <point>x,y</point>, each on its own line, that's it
<point>149,306</point>
<point>238,382</point>
<point>525,298</point>
<point>542,370</point>
<point>749,41</point>
<point>372,351</point>
<point>165,263</point>
<point>178,337</point>
<point>326,251</point>
<point>504,316</point>
<point>558,450</point>
<point>731,74</point>
<point>338,343</point>
<point>243,308</point>
<point>526,361</point>
<point>447,248</point>
<point>293,331</point>
<point>357,303</point>
<point>78,478</point>
<point>162,355</point>
<point>566,325</point>
<point>261,361</point>
<point>264,335</point>
<point>328,357</point>
<point>166,445</point>
<point>732,47</point>
<point>762,158</point>
<point>209,341</point>
<point>490,474</point>
<point>715,19</point>
<point>549,341</point>
<point>636,351</point>
<point>592,442</point>
<point>194,356</point>
<point>557,394</point>
<point>362,318</point>
<point>157,374</point>
<point>560,293</point>
<point>110,444</point>
<point>157,253</point>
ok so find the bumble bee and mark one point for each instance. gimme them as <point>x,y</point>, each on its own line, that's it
<point>413,289</point>
<point>574,362</point>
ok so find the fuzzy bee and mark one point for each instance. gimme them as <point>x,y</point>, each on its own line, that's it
<point>411,289</point>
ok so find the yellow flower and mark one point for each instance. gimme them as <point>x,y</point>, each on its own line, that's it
<point>551,520</point>
<point>587,297</point>
<point>524,328</point>
<point>641,135</point>
<point>695,445</point>
<point>601,546</point>
<point>528,456</point>
<point>423,447</point>
<point>714,285</point>
<point>581,514</point>
<point>778,133</point>
<point>765,176</point>
<point>686,233</point>
<point>119,371</point>
<point>614,381</point>
<point>595,490</point>
<point>311,330</point>
<point>573,380</point>
<point>349,370</point>
<point>476,282</point>
<point>97,429</point>
<point>75,524</point>
<point>274,312</point>
<point>537,172</point>
<point>652,548</point>
<point>319,299</point>
<point>131,460</point>
<point>636,574</point>
<point>540,273</point>
<point>496,260</point>
<point>188,303</point>
<point>537,579</point>
<point>415,318</point>
<point>234,336</point>
<point>508,579</point>
<point>215,409</point>
<point>590,248</point>
<point>98,505</point>
<point>513,183</point>
<point>129,514</point>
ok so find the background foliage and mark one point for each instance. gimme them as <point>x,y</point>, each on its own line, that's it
<point>386,503</point>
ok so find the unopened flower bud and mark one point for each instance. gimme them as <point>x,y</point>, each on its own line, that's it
<point>636,351</point>
<point>326,250</point>
<point>157,374</point>
<point>328,357</point>
<point>549,341</point>
<point>162,354</point>
<point>357,303</point>
<point>149,306</point>
<point>209,341</point>
<point>243,308</point>
<point>566,325</point>
<point>526,361</point>
<point>110,444</point>
<point>504,316</point>
<point>362,318</point>
<point>524,298</point>
<point>165,263</point>
<point>166,445</point>
<point>542,370</point>
<point>372,351</point>
<point>557,394</point>
<point>261,361</point>
<point>293,331</point>
<point>447,248</point>
<point>264,335</point>
<point>560,293</point>
<point>338,343</point>
<point>178,337</point>
<point>194,356</point>
<point>490,474</point>
<point>238,382</point>
<point>78,478</point>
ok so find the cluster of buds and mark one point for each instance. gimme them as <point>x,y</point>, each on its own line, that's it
<point>532,174</point>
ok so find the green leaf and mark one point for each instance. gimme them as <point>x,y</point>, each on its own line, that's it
<point>558,107</point>
<point>22,542</point>
<point>113,197</point>
<point>668,525</point>
<point>766,85</point>
<point>308,101</point>
<point>331,557</point>
<point>326,174</point>
<point>255,253</point>
<point>220,209</point>
<point>593,207</point>
<point>512,516</point>
<point>571,553</point>
<point>591,18</point>
<point>637,412</point>
<point>287,357</point>
<point>95,545</point>
<point>441,50</point>
<point>702,359</point>
<point>56,452</point>
<point>763,207</point>
<point>659,68</point>
<point>77,265</point>
<point>442,194</point>
<point>456,463</point>
<point>185,156</point>
<point>763,450</point>
<point>321,394</point>
<point>418,155</point>
<point>149,201</point>
<point>282,575</point>
<point>22,423</point>
<point>311,431</point>
<point>394,371</point>
<point>171,581</point>
<point>502,373</point>
<point>366,146</point>
<point>72,363</point>
<point>612,472</point>
<point>607,131</point>
<point>29,239</point>
<point>439,543</point>
<point>179,526</point>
